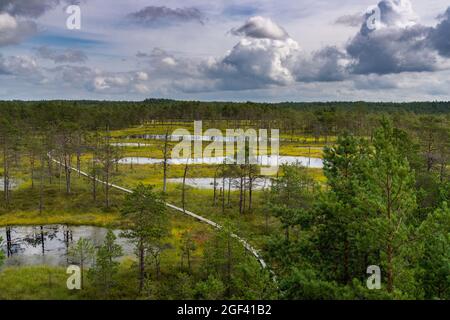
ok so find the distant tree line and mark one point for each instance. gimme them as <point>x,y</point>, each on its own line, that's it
<point>315,119</point>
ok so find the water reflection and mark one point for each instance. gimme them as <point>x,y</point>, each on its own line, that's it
<point>13,184</point>
<point>205,138</point>
<point>261,160</point>
<point>49,245</point>
<point>130,144</point>
<point>228,183</point>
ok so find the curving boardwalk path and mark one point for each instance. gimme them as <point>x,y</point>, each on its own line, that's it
<point>246,245</point>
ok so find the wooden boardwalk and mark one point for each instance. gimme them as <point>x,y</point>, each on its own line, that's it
<point>246,245</point>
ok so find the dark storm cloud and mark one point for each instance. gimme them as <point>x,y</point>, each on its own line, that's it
<point>392,50</point>
<point>397,43</point>
<point>325,65</point>
<point>440,36</point>
<point>154,16</point>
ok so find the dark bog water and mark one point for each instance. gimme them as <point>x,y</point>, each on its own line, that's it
<point>13,184</point>
<point>48,245</point>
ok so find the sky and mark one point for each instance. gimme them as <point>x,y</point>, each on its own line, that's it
<point>228,50</point>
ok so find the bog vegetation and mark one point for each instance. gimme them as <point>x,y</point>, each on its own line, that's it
<point>381,199</point>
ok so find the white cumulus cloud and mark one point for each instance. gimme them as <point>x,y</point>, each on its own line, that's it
<point>261,28</point>
<point>14,30</point>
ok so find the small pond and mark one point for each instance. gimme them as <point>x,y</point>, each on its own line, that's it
<point>13,184</point>
<point>262,160</point>
<point>176,137</point>
<point>208,183</point>
<point>48,245</point>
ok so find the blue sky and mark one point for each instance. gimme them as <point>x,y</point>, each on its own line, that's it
<point>304,50</point>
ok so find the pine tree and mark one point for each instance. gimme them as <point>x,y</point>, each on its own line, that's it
<point>290,196</point>
<point>338,213</point>
<point>435,264</point>
<point>187,248</point>
<point>221,256</point>
<point>389,197</point>
<point>106,266</point>
<point>147,212</point>
<point>81,253</point>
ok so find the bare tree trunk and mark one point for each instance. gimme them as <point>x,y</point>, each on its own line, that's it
<point>79,154</point>
<point>223,194</point>
<point>42,240</point>
<point>165,163</point>
<point>183,194</point>
<point>107,186</point>
<point>107,167</point>
<point>244,200</point>
<point>5,174</point>
<point>215,189</point>
<point>50,169</point>
<point>41,185</point>
<point>60,173</point>
<point>94,178</point>
<point>229,191</point>
<point>241,189</point>
<point>67,165</point>
<point>8,242</point>
<point>78,163</point>
<point>251,179</point>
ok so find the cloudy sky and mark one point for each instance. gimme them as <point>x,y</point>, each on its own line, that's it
<point>260,50</point>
